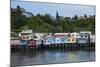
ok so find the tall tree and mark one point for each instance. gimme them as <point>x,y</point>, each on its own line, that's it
<point>75,17</point>
<point>85,15</point>
<point>17,18</point>
<point>57,15</point>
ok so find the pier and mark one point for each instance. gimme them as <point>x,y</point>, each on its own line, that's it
<point>68,46</point>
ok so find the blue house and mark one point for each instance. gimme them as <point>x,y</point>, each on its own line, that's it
<point>24,42</point>
<point>82,40</point>
<point>52,40</point>
<point>60,39</point>
<point>63,40</point>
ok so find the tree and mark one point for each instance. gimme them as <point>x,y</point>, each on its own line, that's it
<point>57,16</point>
<point>85,15</point>
<point>18,20</point>
<point>75,17</point>
<point>21,19</point>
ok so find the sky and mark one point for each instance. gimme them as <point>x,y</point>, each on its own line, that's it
<point>68,10</point>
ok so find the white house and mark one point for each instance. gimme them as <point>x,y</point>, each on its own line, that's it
<point>84,34</point>
<point>92,38</point>
<point>75,35</point>
<point>26,35</point>
<point>64,34</point>
<point>84,37</point>
<point>46,41</point>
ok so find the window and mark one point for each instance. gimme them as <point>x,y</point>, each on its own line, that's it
<point>44,41</point>
<point>27,37</point>
<point>81,36</point>
<point>72,39</point>
<point>62,40</point>
<point>48,41</point>
<point>85,36</point>
<point>53,40</point>
<point>31,36</point>
<point>68,39</point>
<point>35,37</point>
<point>72,34</point>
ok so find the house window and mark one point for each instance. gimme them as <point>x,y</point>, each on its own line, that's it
<point>72,39</point>
<point>62,40</point>
<point>44,41</point>
<point>27,37</point>
<point>82,36</point>
<point>48,41</point>
<point>86,36</point>
<point>31,36</point>
<point>68,39</point>
<point>35,37</point>
<point>72,34</point>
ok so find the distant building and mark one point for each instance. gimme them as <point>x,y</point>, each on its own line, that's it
<point>85,34</point>
<point>29,38</point>
<point>82,40</point>
<point>92,38</point>
<point>84,37</point>
<point>61,34</point>
<point>60,39</point>
<point>57,38</point>
<point>71,39</point>
<point>26,35</point>
<point>81,17</point>
<point>75,35</point>
<point>47,40</point>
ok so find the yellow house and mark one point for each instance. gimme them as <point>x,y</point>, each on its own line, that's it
<point>70,39</point>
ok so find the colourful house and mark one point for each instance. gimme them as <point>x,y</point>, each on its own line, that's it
<point>24,42</point>
<point>52,40</point>
<point>82,40</point>
<point>92,38</point>
<point>84,37</point>
<point>26,35</point>
<point>60,39</point>
<point>71,39</point>
<point>56,39</point>
<point>47,41</point>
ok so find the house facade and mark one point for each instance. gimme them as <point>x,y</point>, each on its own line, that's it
<point>26,35</point>
<point>84,37</point>
<point>71,39</point>
<point>92,38</point>
<point>82,40</point>
<point>47,41</point>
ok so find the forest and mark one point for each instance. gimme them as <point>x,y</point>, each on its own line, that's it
<point>22,20</point>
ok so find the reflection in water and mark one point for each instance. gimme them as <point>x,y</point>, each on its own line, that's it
<point>51,56</point>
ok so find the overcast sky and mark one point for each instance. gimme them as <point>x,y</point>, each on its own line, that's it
<point>63,9</point>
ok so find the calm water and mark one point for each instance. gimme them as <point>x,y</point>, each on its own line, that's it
<point>51,56</point>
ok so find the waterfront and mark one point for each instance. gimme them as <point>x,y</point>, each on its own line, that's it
<point>51,56</point>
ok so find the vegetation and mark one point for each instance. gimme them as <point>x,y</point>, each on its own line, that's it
<point>20,20</point>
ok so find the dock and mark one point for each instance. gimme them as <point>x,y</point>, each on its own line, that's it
<point>68,46</point>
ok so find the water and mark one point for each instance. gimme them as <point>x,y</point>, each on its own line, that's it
<point>51,56</point>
